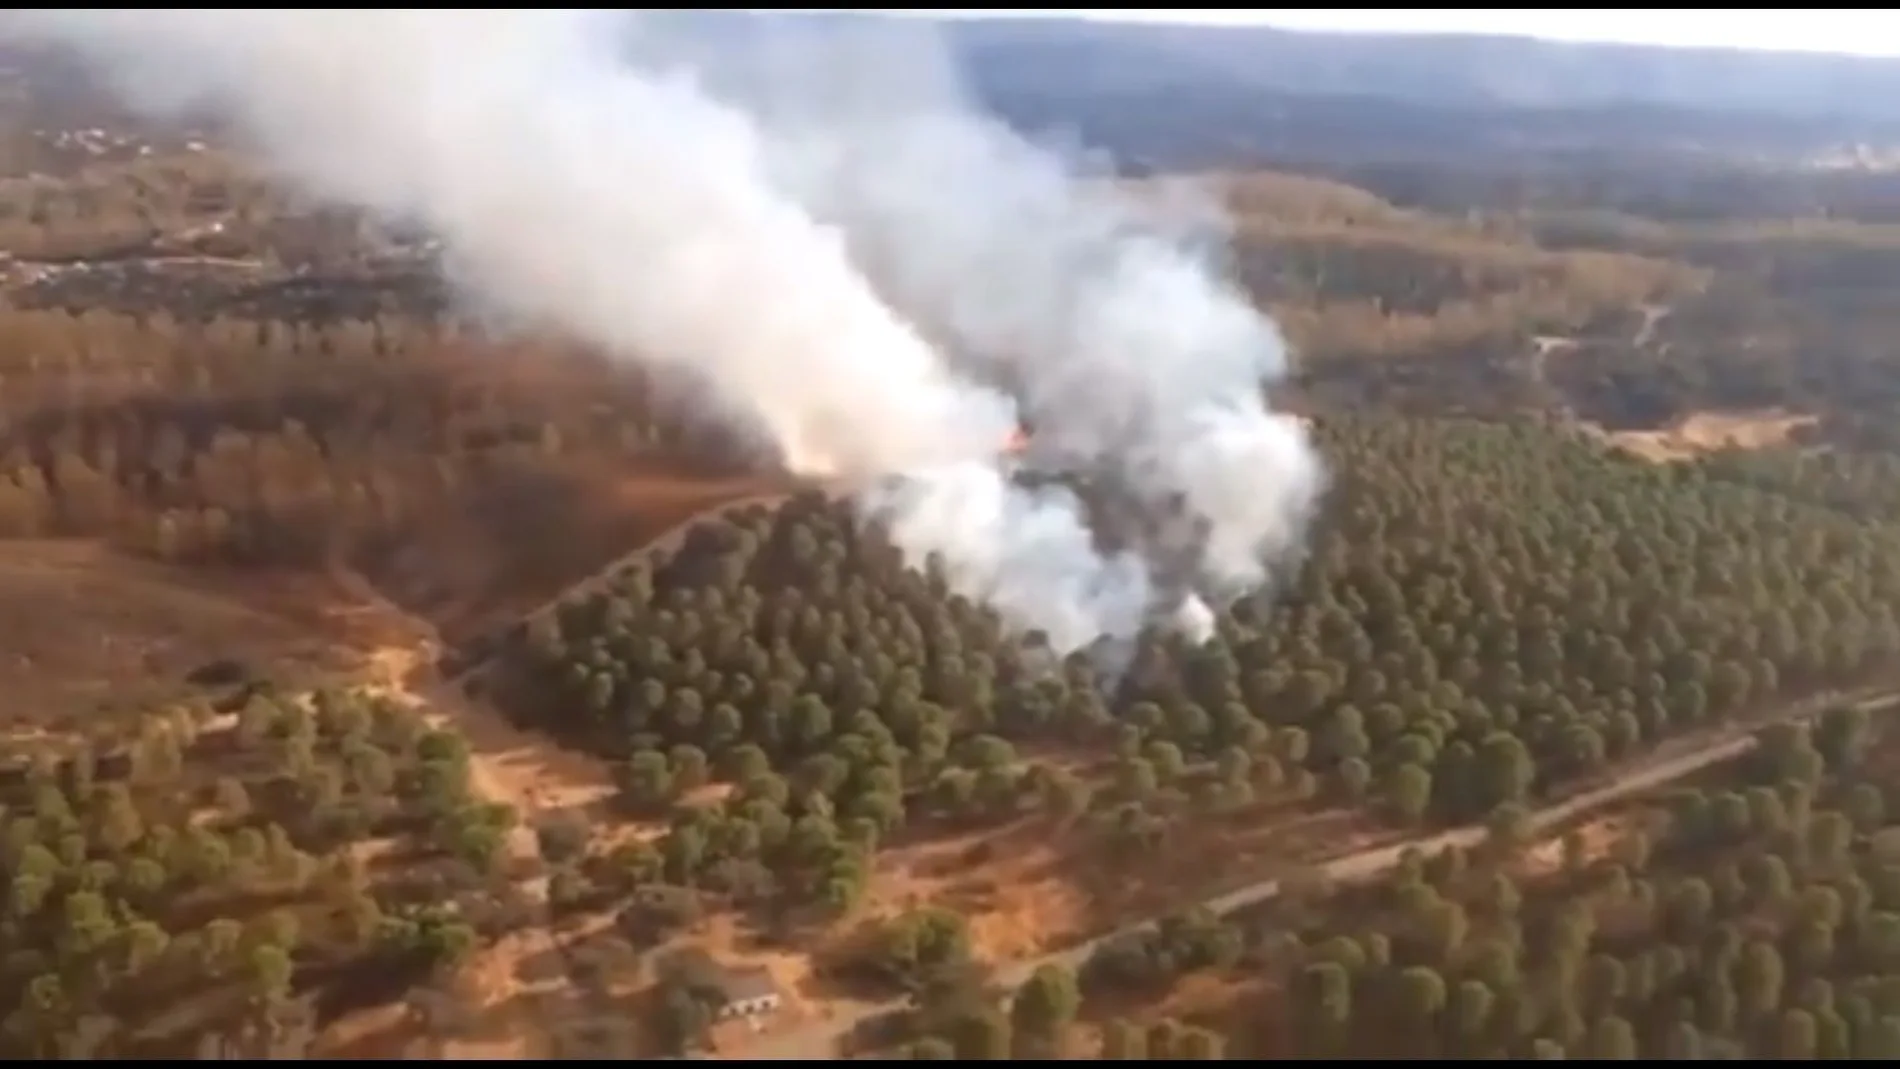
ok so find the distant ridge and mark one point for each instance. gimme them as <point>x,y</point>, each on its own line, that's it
<point>1018,57</point>
<point>1171,96</point>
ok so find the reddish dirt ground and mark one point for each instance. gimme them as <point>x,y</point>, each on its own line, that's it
<point>89,630</point>
<point>1708,432</point>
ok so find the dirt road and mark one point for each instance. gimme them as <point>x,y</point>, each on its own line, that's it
<point>496,747</point>
<point>1671,761</point>
<point>518,769</point>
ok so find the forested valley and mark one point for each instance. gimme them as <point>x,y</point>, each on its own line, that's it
<point>380,685</point>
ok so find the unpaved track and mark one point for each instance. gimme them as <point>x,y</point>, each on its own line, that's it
<point>534,941</point>
<point>492,741</point>
<point>494,745</point>
<point>1671,761</point>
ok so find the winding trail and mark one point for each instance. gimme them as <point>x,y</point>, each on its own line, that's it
<point>498,749</point>
<point>1671,761</point>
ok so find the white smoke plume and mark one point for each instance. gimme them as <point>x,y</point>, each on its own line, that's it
<point>569,189</point>
<point>628,208</point>
<point>622,203</point>
<point>1131,355</point>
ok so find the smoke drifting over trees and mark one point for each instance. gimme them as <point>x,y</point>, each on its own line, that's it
<point>694,228</point>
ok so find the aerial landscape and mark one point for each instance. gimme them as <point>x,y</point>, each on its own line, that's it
<point>809,537</point>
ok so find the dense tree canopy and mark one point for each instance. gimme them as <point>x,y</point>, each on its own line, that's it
<point>1750,917</point>
<point>1495,613</point>
<point>1489,615</point>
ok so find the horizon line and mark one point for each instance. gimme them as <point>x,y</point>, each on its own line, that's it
<point>1831,33</point>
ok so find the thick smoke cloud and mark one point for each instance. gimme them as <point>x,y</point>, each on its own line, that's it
<point>568,189</point>
<point>1132,358</point>
<point>622,203</point>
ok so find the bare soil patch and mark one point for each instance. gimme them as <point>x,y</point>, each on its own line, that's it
<point>1035,887</point>
<point>519,987</point>
<point>87,631</point>
<point>1708,432</point>
<point>1010,885</point>
<point>1577,847</point>
<point>1212,998</point>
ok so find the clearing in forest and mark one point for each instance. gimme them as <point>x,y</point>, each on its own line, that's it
<point>1708,432</point>
<point>89,631</point>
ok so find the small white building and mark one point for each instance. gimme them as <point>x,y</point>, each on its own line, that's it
<point>748,994</point>
<point>753,993</point>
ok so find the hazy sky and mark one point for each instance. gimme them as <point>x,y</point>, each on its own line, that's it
<point>1865,32</point>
